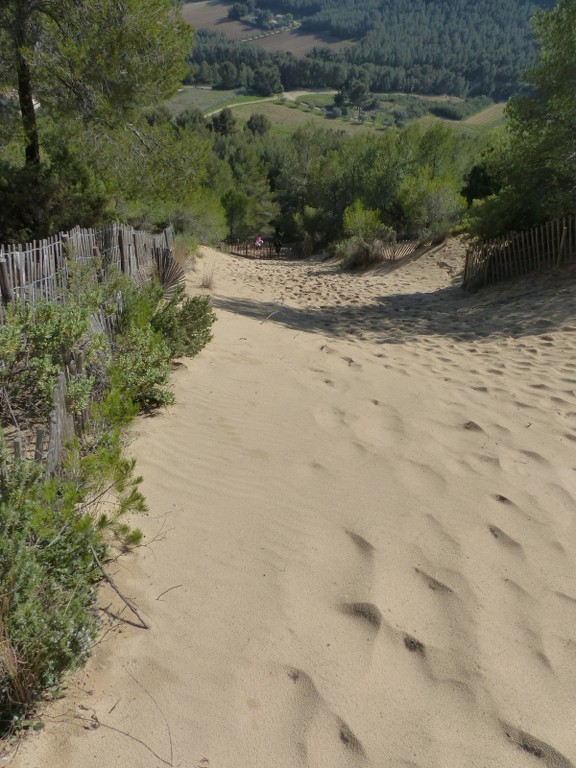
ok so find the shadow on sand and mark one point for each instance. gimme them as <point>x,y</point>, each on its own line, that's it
<point>532,306</point>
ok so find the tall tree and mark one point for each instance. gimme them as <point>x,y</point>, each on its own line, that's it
<point>535,169</point>
<point>89,59</point>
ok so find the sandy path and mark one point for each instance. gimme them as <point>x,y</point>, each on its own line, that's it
<point>366,498</point>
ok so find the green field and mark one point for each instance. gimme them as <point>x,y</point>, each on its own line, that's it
<point>206,99</point>
<point>287,116</point>
<point>298,108</point>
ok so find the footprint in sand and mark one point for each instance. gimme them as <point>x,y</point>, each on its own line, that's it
<point>529,744</point>
<point>323,738</point>
<point>507,541</point>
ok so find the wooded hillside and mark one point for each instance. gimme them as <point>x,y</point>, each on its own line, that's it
<point>429,46</point>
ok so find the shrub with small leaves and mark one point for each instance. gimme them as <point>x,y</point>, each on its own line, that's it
<point>185,323</point>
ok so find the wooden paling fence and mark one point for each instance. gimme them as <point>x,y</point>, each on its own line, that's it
<point>40,269</point>
<point>398,249</point>
<point>250,250</point>
<point>48,444</point>
<point>519,253</point>
<point>390,250</point>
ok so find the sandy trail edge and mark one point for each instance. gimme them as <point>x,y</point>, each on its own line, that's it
<point>364,509</point>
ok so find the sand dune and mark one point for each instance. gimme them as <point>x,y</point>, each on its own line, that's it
<point>363,506</point>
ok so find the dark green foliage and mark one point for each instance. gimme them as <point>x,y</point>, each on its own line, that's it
<point>40,199</point>
<point>266,81</point>
<point>34,342</point>
<point>258,124</point>
<point>153,333</point>
<point>224,122</point>
<point>533,172</point>
<point>185,323</point>
<point>53,531</point>
<point>49,532</point>
<point>412,46</point>
<point>459,110</point>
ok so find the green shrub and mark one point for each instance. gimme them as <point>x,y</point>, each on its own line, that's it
<point>53,531</point>
<point>141,368</point>
<point>34,343</point>
<point>49,533</point>
<point>185,323</point>
<point>356,253</point>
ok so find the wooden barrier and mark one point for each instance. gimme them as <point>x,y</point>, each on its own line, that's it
<point>542,248</point>
<point>390,250</point>
<point>40,270</point>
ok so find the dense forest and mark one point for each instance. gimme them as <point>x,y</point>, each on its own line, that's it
<point>457,47</point>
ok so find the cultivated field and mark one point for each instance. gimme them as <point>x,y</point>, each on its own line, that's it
<point>212,14</point>
<point>299,107</point>
<point>488,117</point>
<point>205,99</point>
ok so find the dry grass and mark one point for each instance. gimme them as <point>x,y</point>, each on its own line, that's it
<point>207,281</point>
<point>184,253</point>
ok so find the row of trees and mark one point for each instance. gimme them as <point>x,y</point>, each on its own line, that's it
<point>439,46</point>
<point>408,180</point>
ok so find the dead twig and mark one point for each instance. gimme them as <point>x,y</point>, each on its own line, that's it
<point>124,599</point>
<point>269,316</point>
<point>147,692</point>
<point>168,590</point>
<point>95,722</point>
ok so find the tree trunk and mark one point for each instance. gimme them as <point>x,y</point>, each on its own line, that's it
<point>27,111</point>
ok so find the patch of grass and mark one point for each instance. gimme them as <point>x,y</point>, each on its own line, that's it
<point>185,247</point>
<point>489,117</point>
<point>317,99</point>
<point>205,99</point>
<point>287,116</point>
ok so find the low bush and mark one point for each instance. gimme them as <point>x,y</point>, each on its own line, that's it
<point>356,253</point>
<point>51,532</point>
<point>54,532</point>
<point>34,344</point>
<point>185,323</point>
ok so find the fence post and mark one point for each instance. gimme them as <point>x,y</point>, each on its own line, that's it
<point>562,247</point>
<point>123,251</point>
<point>39,447</point>
<point>5,285</point>
<point>17,445</point>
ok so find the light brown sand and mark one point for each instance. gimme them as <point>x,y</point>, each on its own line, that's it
<point>365,501</point>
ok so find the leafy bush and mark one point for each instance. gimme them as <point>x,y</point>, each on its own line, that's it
<point>49,533</point>
<point>356,253</point>
<point>153,333</point>
<point>141,368</point>
<point>34,343</point>
<point>54,532</point>
<point>185,323</point>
